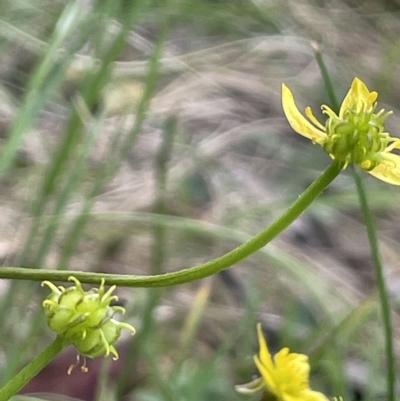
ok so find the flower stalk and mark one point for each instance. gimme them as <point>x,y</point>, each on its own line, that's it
<point>197,272</point>
<point>382,288</point>
<point>31,370</point>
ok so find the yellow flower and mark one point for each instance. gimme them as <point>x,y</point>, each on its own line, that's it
<point>284,377</point>
<point>356,135</point>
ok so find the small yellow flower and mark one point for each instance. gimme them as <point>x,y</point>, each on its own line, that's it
<point>284,377</point>
<point>85,318</point>
<point>356,135</point>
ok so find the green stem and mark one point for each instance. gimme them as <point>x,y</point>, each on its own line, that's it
<point>196,272</point>
<point>326,77</point>
<point>31,370</point>
<point>383,293</point>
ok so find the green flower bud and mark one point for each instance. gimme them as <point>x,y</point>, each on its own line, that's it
<point>85,318</point>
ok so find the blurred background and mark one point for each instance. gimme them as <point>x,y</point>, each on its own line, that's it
<point>141,137</point>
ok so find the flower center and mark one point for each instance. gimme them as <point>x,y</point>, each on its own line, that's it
<point>357,136</point>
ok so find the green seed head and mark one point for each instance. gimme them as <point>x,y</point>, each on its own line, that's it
<point>84,318</point>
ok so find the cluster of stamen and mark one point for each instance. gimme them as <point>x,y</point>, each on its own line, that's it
<point>357,137</point>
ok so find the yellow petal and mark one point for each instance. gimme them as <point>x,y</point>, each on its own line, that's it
<point>267,375</point>
<point>285,361</point>
<point>313,396</point>
<point>313,119</point>
<point>264,352</point>
<point>297,121</point>
<point>394,145</point>
<point>358,96</point>
<point>389,169</point>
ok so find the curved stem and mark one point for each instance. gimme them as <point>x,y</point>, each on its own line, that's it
<point>196,272</point>
<point>380,279</point>
<point>31,370</point>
